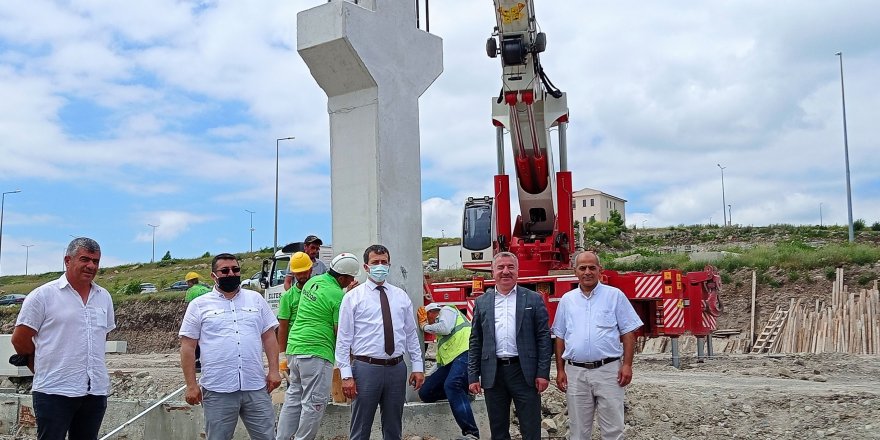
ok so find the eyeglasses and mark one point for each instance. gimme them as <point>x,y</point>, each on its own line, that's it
<point>226,270</point>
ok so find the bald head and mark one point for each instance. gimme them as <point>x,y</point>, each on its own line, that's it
<point>588,270</point>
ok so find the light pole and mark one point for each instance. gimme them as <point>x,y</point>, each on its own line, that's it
<point>153,257</point>
<point>252,227</point>
<point>729,216</point>
<point>643,223</point>
<point>723,202</point>
<point>275,241</point>
<point>820,214</point>
<point>27,255</point>
<point>2,205</point>
<point>846,151</point>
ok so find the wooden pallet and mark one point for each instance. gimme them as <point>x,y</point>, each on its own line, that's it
<point>771,331</point>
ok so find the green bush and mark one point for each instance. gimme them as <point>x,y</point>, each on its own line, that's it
<point>866,278</point>
<point>859,225</point>
<point>793,276</point>
<point>831,273</point>
<point>875,226</point>
<point>133,287</point>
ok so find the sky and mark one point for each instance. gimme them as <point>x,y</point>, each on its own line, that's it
<point>115,115</point>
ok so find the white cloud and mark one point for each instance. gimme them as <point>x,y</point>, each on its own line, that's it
<point>170,224</point>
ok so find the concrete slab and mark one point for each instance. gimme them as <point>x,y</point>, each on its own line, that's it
<point>6,350</point>
<point>180,421</point>
<point>116,347</point>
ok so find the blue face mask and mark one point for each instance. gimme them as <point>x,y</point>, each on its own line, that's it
<point>379,272</point>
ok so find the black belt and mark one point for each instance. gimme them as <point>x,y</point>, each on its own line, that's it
<point>591,365</point>
<point>384,362</point>
<point>508,361</point>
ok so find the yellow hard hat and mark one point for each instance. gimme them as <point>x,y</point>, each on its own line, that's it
<point>300,262</point>
<point>191,276</point>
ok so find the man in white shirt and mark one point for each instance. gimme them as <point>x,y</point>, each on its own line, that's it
<point>595,343</point>
<point>60,332</point>
<point>509,351</point>
<point>376,327</point>
<point>233,327</point>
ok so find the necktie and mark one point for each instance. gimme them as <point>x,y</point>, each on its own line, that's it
<point>386,321</point>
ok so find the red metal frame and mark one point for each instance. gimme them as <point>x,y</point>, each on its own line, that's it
<point>670,303</point>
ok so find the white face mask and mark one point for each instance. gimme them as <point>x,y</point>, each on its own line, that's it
<point>379,272</point>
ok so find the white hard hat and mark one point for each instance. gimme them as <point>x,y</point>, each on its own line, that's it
<point>433,306</point>
<point>345,264</point>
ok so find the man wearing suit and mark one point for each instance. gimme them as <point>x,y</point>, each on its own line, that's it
<point>509,352</point>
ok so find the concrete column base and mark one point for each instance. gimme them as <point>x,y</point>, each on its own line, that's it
<point>177,420</point>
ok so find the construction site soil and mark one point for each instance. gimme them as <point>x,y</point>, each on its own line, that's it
<point>780,396</point>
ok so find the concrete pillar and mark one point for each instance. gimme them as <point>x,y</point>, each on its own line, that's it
<point>373,63</point>
<point>676,353</point>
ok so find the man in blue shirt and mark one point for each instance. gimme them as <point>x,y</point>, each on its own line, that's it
<point>595,343</point>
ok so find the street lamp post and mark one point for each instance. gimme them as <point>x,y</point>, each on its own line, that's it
<point>252,227</point>
<point>153,257</point>
<point>820,214</point>
<point>846,151</point>
<point>27,255</point>
<point>723,202</point>
<point>275,241</point>
<point>729,216</point>
<point>2,206</point>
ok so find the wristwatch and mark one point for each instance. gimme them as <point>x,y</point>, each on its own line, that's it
<point>20,360</point>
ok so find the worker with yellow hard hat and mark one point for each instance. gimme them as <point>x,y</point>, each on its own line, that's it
<point>196,289</point>
<point>301,268</point>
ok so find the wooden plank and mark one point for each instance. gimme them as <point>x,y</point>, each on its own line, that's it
<point>752,321</point>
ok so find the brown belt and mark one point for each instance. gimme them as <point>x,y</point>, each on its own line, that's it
<point>384,362</point>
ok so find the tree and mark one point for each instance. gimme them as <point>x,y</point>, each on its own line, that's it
<point>167,256</point>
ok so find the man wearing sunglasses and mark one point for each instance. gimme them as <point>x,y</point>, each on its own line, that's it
<point>233,327</point>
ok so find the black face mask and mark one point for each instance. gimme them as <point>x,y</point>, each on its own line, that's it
<point>229,284</point>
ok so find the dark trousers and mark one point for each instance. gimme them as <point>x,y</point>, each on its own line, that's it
<point>511,385</point>
<point>450,382</point>
<point>378,386</point>
<point>57,416</point>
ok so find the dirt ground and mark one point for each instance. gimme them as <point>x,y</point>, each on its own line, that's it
<point>728,396</point>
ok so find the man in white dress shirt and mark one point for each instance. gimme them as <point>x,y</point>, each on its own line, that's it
<point>595,343</point>
<point>233,327</point>
<point>376,327</point>
<point>60,333</point>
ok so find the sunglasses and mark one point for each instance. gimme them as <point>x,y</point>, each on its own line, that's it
<point>226,270</point>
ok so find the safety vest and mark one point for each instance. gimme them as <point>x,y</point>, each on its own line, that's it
<point>456,342</point>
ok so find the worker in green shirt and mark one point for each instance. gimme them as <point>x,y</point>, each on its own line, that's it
<point>310,349</point>
<point>301,268</point>
<point>196,289</point>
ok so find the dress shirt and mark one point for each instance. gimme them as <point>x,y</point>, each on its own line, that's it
<point>71,338</point>
<point>445,322</point>
<point>505,324</point>
<point>318,267</point>
<point>361,331</point>
<point>229,332</point>
<point>591,325</point>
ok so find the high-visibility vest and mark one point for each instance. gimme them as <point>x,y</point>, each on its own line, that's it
<point>456,342</point>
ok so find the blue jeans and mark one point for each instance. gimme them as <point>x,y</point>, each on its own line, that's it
<point>450,382</point>
<point>58,416</point>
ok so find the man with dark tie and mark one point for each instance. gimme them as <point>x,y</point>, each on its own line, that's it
<point>376,328</point>
<point>509,351</point>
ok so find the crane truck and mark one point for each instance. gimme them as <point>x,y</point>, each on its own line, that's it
<point>528,107</point>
